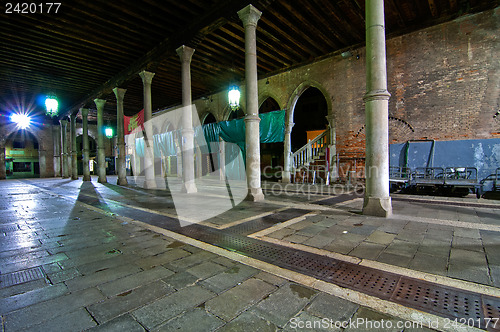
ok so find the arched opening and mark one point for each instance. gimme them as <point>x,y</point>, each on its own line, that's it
<point>210,118</point>
<point>271,154</point>
<point>22,156</point>
<point>309,117</point>
<point>208,161</point>
<point>92,154</point>
<point>236,114</point>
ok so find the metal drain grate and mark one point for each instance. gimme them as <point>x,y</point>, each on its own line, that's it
<point>9,229</point>
<point>439,299</point>
<point>491,311</point>
<point>20,277</point>
<point>363,279</point>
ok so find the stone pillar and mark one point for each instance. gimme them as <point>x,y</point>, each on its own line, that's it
<point>120,134</point>
<point>287,163</point>
<point>188,174</point>
<point>56,138</point>
<point>332,147</point>
<point>64,149</point>
<point>377,201</point>
<point>85,141</point>
<point>74,154</point>
<point>101,154</point>
<point>149,165</point>
<point>3,169</point>
<point>179,162</point>
<point>222,160</point>
<point>249,16</point>
<point>42,162</point>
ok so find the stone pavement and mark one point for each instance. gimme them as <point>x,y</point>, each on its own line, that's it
<point>71,262</point>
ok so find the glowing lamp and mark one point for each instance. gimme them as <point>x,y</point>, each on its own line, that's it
<point>22,121</point>
<point>234,98</point>
<point>51,106</point>
<point>108,131</point>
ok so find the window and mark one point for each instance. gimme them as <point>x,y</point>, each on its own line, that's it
<point>22,166</point>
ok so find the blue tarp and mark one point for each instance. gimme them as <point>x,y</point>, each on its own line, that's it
<point>483,154</point>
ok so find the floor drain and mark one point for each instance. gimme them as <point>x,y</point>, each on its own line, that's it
<point>20,277</point>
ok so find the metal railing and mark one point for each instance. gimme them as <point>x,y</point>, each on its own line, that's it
<point>311,151</point>
<point>460,176</point>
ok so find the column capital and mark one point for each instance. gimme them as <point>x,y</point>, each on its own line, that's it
<point>119,93</point>
<point>288,127</point>
<point>185,53</point>
<point>72,117</point>
<point>249,15</point>
<point>85,112</point>
<point>99,102</point>
<point>63,122</point>
<point>147,76</point>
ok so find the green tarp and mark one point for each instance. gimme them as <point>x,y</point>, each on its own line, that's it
<point>272,130</point>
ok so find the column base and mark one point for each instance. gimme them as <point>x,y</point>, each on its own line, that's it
<point>189,188</point>
<point>150,184</point>
<point>285,177</point>
<point>74,178</point>
<point>87,178</point>
<point>122,182</point>
<point>255,195</point>
<point>378,207</point>
<point>102,180</point>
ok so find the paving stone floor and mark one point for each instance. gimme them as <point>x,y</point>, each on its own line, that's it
<point>66,266</point>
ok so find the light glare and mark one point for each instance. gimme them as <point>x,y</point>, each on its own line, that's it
<point>22,120</point>
<point>234,98</point>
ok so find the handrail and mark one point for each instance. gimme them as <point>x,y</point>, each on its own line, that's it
<point>312,149</point>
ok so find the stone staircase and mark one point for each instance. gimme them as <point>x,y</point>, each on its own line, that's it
<point>310,163</point>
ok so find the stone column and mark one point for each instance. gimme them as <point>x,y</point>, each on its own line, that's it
<point>188,174</point>
<point>287,163</point>
<point>332,158</point>
<point>3,169</point>
<point>222,160</point>
<point>101,154</point>
<point>74,154</point>
<point>64,150</point>
<point>56,138</point>
<point>377,201</point>
<point>120,134</point>
<point>149,165</point>
<point>85,141</point>
<point>42,162</point>
<point>249,16</point>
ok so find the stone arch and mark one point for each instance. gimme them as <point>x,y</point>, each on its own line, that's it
<point>267,101</point>
<point>299,90</point>
<point>268,95</point>
<point>399,130</point>
<point>290,109</point>
<point>206,116</point>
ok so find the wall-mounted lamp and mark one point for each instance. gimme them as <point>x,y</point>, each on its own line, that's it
<point>234,97</point>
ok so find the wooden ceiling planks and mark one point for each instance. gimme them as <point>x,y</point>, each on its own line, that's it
<point>92,46</point>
